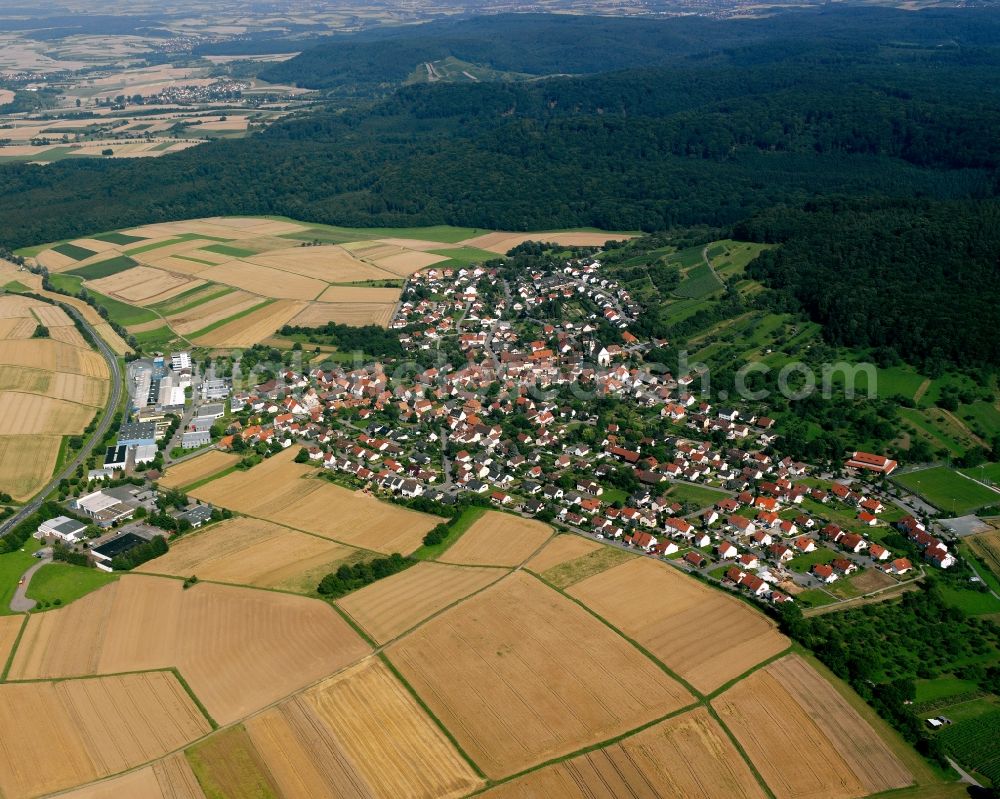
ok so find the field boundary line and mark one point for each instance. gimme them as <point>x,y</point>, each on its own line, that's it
<point>424,706</point>
<point>739,748</point>
<point>353,624</point>
<point>194,697</point>
<point>446,608</point>
<point>13,649</point>
<point>595,747</point>
<point>790,650</point>
<point>663,666</point>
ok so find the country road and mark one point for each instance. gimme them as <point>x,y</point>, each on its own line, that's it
<point>114,396</point>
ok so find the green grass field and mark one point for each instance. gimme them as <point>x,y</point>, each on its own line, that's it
<point>814,598</point>
<point>65,583</point>
<point>699,282</point>
<point>118,238</point>
<point>463,256</point>
<point>982,417</point>
<point>228,319</point>
<point>695,495</point>
<point>178,239</point>
<point>805,561</point>
<point>16,286</point>
<point>225,249</point>
<point>112,266</point>
<point>73,251</point>
<point>12,566</point>
<point>455,531</point>
<point>942,688</point>
<point>947,490</point>
<point>123,313</point>
<point>974,603</point>
<point>986,473</point>
<point>333,234</point>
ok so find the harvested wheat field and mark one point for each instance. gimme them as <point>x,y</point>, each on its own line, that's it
<point>331,264</point>
<point>63,734</point>
<point>26,465</point>
<point>170,778</point>
<point>254,327</point>
<point>317,314</point>
<point>32,414</point>
<point>264,280</point>
<point>406,263</point>
<point>498,539</point>
<point>360,733</point>
<point>686,757</point>
<point>10,626</point>
<point>143,283</point>
<point>187,472</point>
<point>708,638</point>
<point>363,294</point>
<point>987,547</point>
<point>520,674</point>
<point>52,355</point>
<point>253,552</point>
<point>391,606</point>
<point>51,315</point>
<point>288,493</point>
<point>113,340</point>
<point>570,572</point>
<point>58,385</point>
<point>239,649</point>
<point>17,328</point>
<point>68,335</point>
<point>837,753</point>
<point>562,548</point>
<point>215,310</point>
<point>504,242</point>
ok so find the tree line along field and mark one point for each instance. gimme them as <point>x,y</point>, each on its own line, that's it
<point>234,281</point>
<point>50,388</point>
<point>490,677</point>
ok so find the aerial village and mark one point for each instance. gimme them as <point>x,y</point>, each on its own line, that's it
<point>515,417</point>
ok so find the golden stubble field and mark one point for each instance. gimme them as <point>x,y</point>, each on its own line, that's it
<point>266,259</point>
<point>291,494</point>
<point>685,757</point>
<point>391,606</point>
<point>359,734</point>
<point>703,635</point>
<point>49,388</point>
<point>498,539</point>
<point>239,649</point>
<point>61,734</point>
<point>254,552</point>
<point>520,674</point>
<point>838,755</point>
<point>170,778</point>
<point>191,471</point>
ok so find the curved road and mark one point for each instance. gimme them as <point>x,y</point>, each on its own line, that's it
<point>20,603</point>
<point>114,396</point>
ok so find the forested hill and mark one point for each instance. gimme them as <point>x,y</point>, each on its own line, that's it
<point>537,45</point>
<point>780,122</point>
<point>921,278</point>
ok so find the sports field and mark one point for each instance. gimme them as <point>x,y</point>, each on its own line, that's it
<point>948,490</point>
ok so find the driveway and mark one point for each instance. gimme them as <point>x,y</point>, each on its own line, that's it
<point>20,603</point>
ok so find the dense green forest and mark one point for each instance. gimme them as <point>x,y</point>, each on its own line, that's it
<point>745,123</point>
<point>919,277</point>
